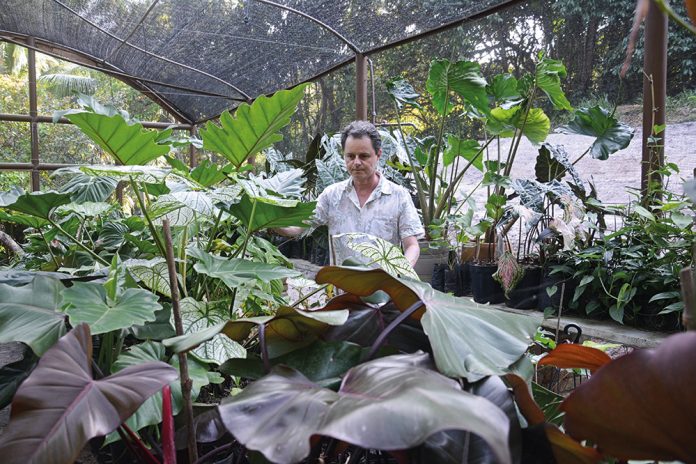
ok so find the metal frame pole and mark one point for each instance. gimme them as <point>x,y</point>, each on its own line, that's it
<point>33,113</point>
<point>654,96</point>
<point>360,87</point>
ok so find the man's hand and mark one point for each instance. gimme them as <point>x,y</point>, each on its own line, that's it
<point>411,249</point>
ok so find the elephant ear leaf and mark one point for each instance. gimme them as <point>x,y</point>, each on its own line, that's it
<point>37,204</point>
<point>28,314</point>
<point>548,78</point>
<point>552,163</point>
<point>80,408</point>
<point>611,135</point>
<point>253,127</point>
<point>463,78</point>
<point>125,140</point>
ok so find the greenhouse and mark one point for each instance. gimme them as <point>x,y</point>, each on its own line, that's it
<point>331,231</point>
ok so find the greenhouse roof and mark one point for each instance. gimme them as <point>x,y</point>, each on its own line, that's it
<point>198,58</point>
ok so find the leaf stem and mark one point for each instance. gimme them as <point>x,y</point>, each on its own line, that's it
<point>78,243</point>
<point>388,330</point>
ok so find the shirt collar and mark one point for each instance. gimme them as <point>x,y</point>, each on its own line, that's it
<point>383,186</point>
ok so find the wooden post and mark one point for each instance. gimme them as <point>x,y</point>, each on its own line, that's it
<point>654,95</point>
<point>360,87</point>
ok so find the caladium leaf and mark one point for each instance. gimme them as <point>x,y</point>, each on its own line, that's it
<point>462,78</point>
<point>150,412</point>
<point>548,76</point>
<point>152,273</point>
<point>88,302</point>
<point>468,339</point>
<point>377,251</point>
<point>38,204</point>
<point>80,407</point>
<point>403,93</point>
<point>253,127</point>
<point>651,419</point>
<point>29,314</point>
<point>258,213</point>
<point>374,409</point>
<point>197,316</point>
<point>126,141</point>
<point>234,271</point>
<point>611,135</point>
<point>287,326</point>
<point>509,272</point>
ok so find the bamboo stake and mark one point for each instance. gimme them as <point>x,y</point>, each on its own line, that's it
<point>186,383</point>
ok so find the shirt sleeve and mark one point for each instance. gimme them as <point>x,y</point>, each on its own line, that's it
<point>321,211</point>
<point>409,222</point>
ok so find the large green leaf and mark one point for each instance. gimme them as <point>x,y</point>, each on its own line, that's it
<point>150,412</point>
<point>287,183</point>
<point>548,78</point>
<point>284,331</point>
<point>320,361</point>
<point>88,302</point>
<point>152,273</point>
<point>265,212</point>
<point>468,340</point>
<point>611,135</point>
<point>467,149</point>
<point>197,316</point>
<point>462,78</point>
<point>127,142</point>
<point>22,219</point>
<point>60,407</point>
<point>391,403</point>
<point>182,208</point>
<point>234,271</point>
<point>535,127</point>
<point>503,89</point>
<point>29,314</point>
<point>253,127</point>
<point>86,209</point>
<point>149,174</point>
<point>38,204</point>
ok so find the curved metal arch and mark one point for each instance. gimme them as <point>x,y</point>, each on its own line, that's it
<point>154,55</point>
<point>322,24</point>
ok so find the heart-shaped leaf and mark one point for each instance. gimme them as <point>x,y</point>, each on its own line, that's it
<point>503,88</point>
<point>553,163</point>
<point>391,403</point>
<point>60,406</point>
<point>468,340</point>
<point>467,149</point>
<point>234,271</point>
<point>152,273</point>
<point>287,183</point>
<point>651,419</point>
<point>29,314</point>
<point>377,251</point>
<point>535,126</point>
<point>253,127</point>
<point>88,302</point>
<point>38,204</point>
<point>462,78</point>
<point>82,187</point>
<point>611,135</point>
<point>266,212</point>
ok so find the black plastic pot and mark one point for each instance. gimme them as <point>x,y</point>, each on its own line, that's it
<point>554,301</point>
<point>484,288</point>
<point>464,279</point>
<point>525,295</point>
<point>437,280</point>
<point>648,318</point>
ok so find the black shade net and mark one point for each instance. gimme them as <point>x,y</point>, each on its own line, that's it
<point>200,57</point>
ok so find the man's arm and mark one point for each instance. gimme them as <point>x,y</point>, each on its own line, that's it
<point>290,231</point>
<point>411,249</point>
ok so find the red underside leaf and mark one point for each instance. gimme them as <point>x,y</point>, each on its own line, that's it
<point>640,406</point>
<point>572,356</point>
<point>568,451</point>
<point>168,445</point>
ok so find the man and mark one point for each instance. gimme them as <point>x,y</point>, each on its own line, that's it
<point>367,202</point>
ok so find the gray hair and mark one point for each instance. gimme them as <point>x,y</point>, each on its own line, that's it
<point>360,129</point>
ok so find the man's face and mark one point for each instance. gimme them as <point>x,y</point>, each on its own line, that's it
<point>361,159</point>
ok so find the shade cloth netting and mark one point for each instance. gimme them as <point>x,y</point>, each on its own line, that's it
<point>200,57</point>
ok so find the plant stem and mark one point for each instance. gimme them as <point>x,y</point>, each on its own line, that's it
<point>420,188</point>
<point>666,9</point>
<point>48,245</point>
<point>264,348</point>
<point>150,225</point>
<point>78,243</point>
<point>314,292</point>
<point>249,229</point>
<point>186,383</point>
<point>214,233</point>
<point>435,159</point>
<point>388,330</point>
